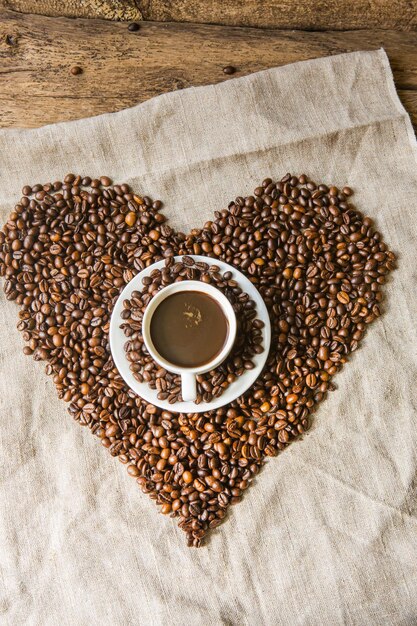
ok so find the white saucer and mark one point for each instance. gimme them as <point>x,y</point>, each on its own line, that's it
<point>235,389</point>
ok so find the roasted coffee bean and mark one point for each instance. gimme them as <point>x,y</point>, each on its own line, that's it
<point>133,27</point>
<point>76,70</point>
<point>229,69</point>
<point>66,252</point>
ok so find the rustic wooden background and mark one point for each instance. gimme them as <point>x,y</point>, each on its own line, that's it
<point>178,44</point>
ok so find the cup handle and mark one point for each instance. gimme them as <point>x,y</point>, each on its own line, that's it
<point>188,387</point>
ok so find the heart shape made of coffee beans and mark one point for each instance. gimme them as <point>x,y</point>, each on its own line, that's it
<point>67,251</point>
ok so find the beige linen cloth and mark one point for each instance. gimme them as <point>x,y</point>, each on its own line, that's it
<point>328,533</point>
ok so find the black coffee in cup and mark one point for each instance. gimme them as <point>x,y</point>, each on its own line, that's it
<point>189,329</point>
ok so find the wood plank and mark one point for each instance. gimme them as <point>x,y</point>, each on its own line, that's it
<point>104,9</point>
<point>283,14</point>
<point>307,15</point>
<point>122,68</point>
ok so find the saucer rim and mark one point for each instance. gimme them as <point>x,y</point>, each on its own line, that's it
<point>117,339</point>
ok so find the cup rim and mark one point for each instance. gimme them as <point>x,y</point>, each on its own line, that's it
<point>189,285</point>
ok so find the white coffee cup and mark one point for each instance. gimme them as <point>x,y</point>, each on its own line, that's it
<point>188,374</point>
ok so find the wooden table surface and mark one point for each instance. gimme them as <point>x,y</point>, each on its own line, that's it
<point>122,68</point>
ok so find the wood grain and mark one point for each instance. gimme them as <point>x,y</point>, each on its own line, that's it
<point>307,14</point>
<point>105,9</point>
<point>283,14</point>
<point>123,68</point>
